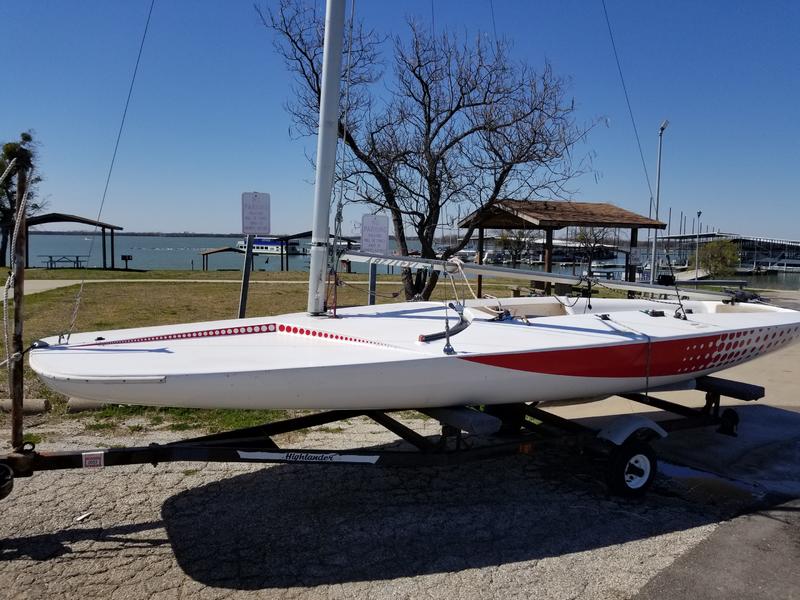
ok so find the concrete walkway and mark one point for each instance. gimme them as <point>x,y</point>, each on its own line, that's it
<point>35,286</point>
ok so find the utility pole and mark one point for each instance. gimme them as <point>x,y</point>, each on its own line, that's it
<point>658,194</point>
<point>697,249</point>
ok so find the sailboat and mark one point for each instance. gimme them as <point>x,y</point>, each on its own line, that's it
<point>415,354</point>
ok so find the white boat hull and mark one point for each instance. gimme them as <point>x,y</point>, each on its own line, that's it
<point>371,357</point>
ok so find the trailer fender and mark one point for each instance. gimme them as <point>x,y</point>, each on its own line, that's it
<point>623,427</point>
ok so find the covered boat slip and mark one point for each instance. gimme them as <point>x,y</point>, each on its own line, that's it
<point>498,352</point>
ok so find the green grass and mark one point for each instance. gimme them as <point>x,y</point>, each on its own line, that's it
<point>181,419</point>
<point>32,438</point>
<point>93,274</point>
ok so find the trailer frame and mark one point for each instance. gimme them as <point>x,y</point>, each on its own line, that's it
<point>521,428</point>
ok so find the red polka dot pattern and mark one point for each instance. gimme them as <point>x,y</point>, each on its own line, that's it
<point>730,349</point>
<point>231,331</point>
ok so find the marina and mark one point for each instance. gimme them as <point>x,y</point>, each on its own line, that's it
<point>155,252</point>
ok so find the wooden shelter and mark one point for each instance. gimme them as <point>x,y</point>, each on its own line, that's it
<point>206,253</point>
<point>551,215</point>
<point>65,218</point>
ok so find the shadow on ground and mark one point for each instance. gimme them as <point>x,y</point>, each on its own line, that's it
<point>307,525</point>
<point>49,546</point>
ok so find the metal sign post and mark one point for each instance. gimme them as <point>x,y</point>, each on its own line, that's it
<point>255,220</point>
<point>374,240</point>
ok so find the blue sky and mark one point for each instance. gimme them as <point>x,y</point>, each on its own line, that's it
<point>207,122</point>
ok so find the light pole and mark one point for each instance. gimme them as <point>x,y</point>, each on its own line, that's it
<point>658,194</point>
<point>697,249</point>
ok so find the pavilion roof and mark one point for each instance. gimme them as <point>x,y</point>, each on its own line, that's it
<point>556,214</point>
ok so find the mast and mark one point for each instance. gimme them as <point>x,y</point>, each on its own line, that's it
<point>326,153</point>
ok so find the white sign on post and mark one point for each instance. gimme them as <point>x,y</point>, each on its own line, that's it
<point>375,234</point>
<point>255,213</point>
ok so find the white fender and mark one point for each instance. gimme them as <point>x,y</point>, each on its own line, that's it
<point>621,428</point>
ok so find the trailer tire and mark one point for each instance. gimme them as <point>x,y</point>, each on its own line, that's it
<point>631,468</point>
<point>6,480</point>
<point>729,422</point>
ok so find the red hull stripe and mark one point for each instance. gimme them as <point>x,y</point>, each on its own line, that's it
<point>670,357</point>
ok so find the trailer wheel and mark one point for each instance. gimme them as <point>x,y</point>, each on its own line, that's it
<point>6,480</point>
<point>729,422</point>
<point>631,468</point>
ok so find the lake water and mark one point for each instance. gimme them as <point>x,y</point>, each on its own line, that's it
<point>183,252</point>
<point>152,252</point>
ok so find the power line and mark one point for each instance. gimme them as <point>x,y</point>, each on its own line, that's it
<point>125,111</point>
<point>628,102</point>
<point>113,160</point>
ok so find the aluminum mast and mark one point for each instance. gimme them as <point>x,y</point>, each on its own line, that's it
<point>326,153</point>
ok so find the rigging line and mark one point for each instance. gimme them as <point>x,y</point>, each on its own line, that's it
<point>8,170</point>
<point>337,228</point>
<point>23,205</point>
<point>628,102</point>
<point>113,160</point>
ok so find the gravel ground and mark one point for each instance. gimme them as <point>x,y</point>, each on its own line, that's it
<point>517,527</point>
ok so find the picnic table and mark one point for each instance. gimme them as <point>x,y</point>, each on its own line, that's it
<point>53,261</point>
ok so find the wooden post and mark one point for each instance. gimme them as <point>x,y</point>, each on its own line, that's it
<point>17,373</point>
<point>480,261</point>
<point>112,250</point>
<point>548,257</point>
<point>103,233</point>
<point>630,270</point>
<point>630,274</point>
<point>373,283</point>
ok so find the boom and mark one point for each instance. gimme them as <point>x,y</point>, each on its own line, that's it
<point>528,275</point>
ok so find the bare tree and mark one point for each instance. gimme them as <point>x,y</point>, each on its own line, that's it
<point>458,122</point>
<point>593,240</point>
<point>516,242</point>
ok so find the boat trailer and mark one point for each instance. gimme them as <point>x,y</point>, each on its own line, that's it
<point>467,434</point>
